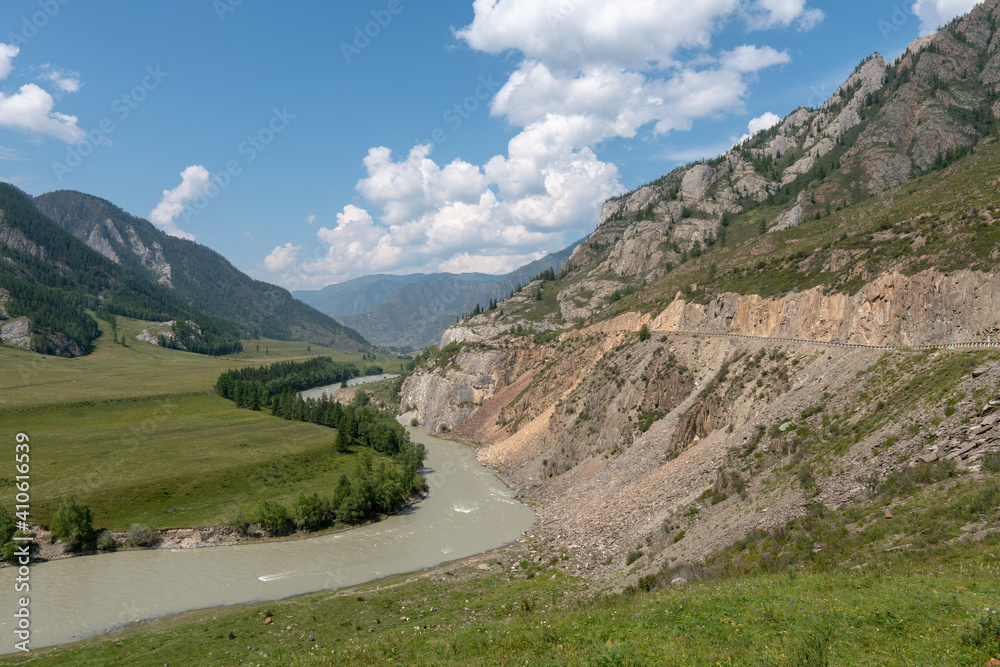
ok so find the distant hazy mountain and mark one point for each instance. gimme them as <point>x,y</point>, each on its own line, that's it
<point>194,273</point>
<point>362,295</point>
<point>413,311</point>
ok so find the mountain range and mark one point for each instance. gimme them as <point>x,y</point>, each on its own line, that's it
<point>66,253</point>
<point>413,311</point>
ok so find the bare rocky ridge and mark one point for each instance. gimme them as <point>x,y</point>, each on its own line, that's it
<point>884,126</point>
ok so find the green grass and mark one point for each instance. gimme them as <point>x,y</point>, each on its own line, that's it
<point>176,461</point>
<point>138,434</point>
<point>878,616</point>
<point>141,369</point>
<point>794,597</point>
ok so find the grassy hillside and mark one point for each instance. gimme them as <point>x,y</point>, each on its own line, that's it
<point>112,372</point>
<point>139,434</point>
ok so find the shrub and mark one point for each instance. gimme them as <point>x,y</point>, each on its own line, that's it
<point>644,333</point>
<point>414,422</point>
<point>7,551</point>
<point>991,462</point>
<point>632,557</point>
<point>7,531</point>
<point>106,541</point>
<point>310,511</point>
<point>906,480</point>
<point>141,535</point>
<point>7,526</point>
<point>240,524</point>
<point>73,524</point>
<point>272,517</point>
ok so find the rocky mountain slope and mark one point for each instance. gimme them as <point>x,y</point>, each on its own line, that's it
<point>50,283</point>
<point>792,323</point>
<point>194,273</point>
<point>413,311</point>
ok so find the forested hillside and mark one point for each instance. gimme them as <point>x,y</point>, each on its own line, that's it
<point>194,273</point>
<point>50,280</point>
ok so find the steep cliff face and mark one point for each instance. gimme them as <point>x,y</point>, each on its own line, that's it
<point>894,310</point>
<point>622,439</point>
<point>449,394</point>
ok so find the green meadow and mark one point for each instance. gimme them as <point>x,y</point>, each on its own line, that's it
<point>139,435</point>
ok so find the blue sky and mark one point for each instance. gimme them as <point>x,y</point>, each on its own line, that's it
<point>312,142</point>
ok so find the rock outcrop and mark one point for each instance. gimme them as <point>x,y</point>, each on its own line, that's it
<point>151,258</point>
<point>894,310</point>
<point>16,239</point>
<point>17,333</point>
<point>164,332</point>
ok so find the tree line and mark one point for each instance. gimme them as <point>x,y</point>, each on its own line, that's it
<point>263,383</point>
<point>375,488</point>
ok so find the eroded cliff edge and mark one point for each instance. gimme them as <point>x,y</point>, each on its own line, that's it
<point>618,435</point>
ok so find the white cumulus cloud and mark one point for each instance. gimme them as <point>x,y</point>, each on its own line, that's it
<point>7,55</point>
<point>763,122</point>
<point>282,258</point>
<point>590,71</point>
<point>784,13</point>
<point>195,181</point>
<point>935,13</point>
<point>66,81</point>
<point>31,109</point>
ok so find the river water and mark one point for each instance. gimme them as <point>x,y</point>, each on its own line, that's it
<point>468,511</point>
<point>318,392</point>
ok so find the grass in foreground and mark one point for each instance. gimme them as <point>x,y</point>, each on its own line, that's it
<point>832,589</point>
<point>921,617</point>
